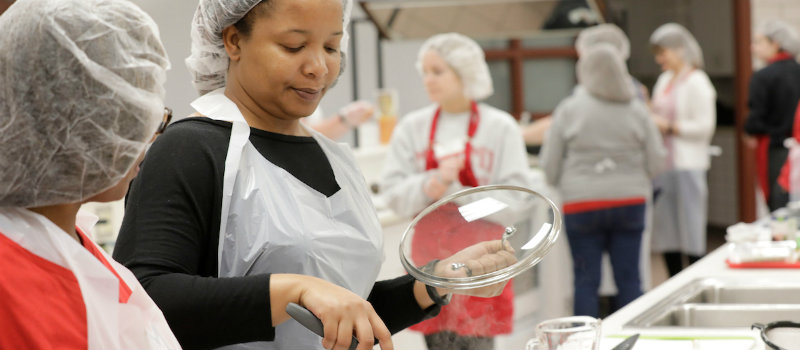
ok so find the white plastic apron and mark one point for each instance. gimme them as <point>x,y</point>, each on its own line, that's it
<point>272,222</point>
<point>680,213</point>
<point>137,324</point>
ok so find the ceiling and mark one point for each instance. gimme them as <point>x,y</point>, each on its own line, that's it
<point>482,19</point>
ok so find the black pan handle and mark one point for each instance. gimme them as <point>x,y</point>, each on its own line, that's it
<point>627,344</point>
<point>308,320</point>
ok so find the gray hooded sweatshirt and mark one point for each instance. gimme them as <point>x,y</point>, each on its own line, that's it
<point>602,144</point>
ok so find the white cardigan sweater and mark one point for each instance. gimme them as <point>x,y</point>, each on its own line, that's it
<point>696,119</point>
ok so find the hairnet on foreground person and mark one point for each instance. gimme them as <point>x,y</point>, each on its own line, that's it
<point>602,152</point>
<point>605,33</point>
<point>82,95</point>
<point>236,214</point>
<point>773,96</point>
<point>485,146</point>
<point>684,108</point>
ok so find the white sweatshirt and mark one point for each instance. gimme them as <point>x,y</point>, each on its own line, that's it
<point>498,154</point>
<point>601,150</point>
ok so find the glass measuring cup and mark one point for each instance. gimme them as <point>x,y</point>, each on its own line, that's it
<point>567,333</point>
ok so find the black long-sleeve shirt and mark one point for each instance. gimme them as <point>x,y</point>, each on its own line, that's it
<point>170,235</point>
<point>773,98</point>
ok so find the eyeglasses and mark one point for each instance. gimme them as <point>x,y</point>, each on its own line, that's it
<point>165,121</point>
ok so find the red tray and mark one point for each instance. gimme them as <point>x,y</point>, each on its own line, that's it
<point>763,265</point>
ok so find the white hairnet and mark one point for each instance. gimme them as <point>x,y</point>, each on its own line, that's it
<point>208,62</point>
<point>676,37</point>
<point>782,34</point>
<point>82,94</point>
<point>466,58</point>
<point>602,72</point>
<point>604,33</point>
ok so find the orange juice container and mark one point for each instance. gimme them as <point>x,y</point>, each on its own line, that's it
<point>387,106</point>
<point>386,125</point>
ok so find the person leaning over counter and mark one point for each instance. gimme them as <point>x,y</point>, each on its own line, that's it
<point>240,212</point>
<point>773,96</point>
<point>82,96</point>
<point>684,109</point>
<point>453,144</point>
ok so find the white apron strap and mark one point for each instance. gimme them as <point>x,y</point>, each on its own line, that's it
<point>217,106</point>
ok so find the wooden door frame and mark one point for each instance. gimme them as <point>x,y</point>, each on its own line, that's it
<point>516,55</point>
<point>4,4</point>
<point>744,69</point>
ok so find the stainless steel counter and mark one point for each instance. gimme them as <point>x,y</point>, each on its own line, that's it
<point>716,325</point>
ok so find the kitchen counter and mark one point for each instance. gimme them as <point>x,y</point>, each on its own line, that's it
<point>713,265</point>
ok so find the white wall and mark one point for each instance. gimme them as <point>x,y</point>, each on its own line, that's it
<point>400,72</point>
<point>174,19</point>
<point>786,10</point>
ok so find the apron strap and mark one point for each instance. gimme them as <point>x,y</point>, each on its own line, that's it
<point>240,135</point>
<point>466,176</point>
<point>217,106</point>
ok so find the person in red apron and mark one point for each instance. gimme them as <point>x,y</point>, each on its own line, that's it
<point>440,149</point>
<point>773,96</point>
<point>684,109</point>
<point>82,97</point>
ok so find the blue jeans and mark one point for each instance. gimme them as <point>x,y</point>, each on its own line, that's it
<point>616,230</point>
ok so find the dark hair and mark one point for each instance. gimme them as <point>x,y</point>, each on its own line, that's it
<point>245,25</point>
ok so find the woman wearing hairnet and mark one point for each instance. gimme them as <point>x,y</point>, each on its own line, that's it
<point>774,94</point>
<point>602,152</point>
<point>605,33</point>
<point>82,96</point>
<point>448,146</point>
<point>235,214</point>
<point>684,110</point>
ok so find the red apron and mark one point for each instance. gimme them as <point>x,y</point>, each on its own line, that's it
<point>43,304</point>
<point>762,150</point>
<point>762,164</point>
<point>57,294</point>
<point>784,177</point>
<point>465,315</point>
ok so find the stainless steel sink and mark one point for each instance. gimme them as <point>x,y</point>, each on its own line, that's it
<point>713,303</point>
<point>715,291</point>
<point>725,315</point>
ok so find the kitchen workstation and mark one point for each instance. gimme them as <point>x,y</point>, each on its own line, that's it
<point>400,174</point>
<point>742,293</point>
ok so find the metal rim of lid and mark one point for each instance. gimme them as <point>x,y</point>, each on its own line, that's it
<point>498,276</point>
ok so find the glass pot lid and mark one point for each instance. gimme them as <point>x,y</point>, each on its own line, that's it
<point>480,236</point>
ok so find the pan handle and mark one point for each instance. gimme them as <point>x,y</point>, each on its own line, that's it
<point>310,321</point>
